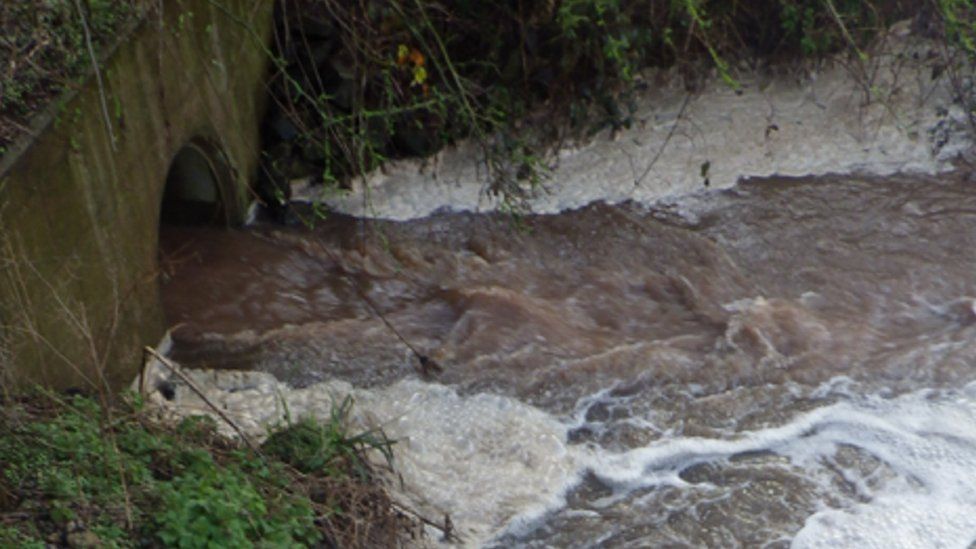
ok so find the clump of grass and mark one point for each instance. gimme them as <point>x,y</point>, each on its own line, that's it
<point>337,474</point>
<point>77,473</point>
<point>313,446</point>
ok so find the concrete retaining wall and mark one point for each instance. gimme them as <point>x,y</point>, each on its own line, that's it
<point>79,210</point>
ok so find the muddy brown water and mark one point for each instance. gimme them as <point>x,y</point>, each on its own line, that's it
<point>717,317</point>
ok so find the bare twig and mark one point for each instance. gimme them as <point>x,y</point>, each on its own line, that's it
<point>843,28</point>
<point>667,139</point>
<point>129,522</point>
<point>27,324</point>
<point>193,387</point>
<point>427,364</point>
<point>446,528</point>
<point>98,74</point>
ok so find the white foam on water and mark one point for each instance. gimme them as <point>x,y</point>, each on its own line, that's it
<point>498,465</point>
<point>488,461</point>
<point>788,126</point>
<point>927,439</point>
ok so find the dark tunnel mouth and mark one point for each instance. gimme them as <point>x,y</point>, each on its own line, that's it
<point>199,193</point>
<point>193,194</point>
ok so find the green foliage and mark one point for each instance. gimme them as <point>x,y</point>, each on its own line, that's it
<point>14,537</point>
<point>311,446</point>
<point>602,31</point>
<point>209,506</point>
<point>959,18</point>
<point>699,20</point>
<point>42,43</point>
<point>818,30</point>
<point>132,483</point>
<point>67,463</point>
<point>73,459</point>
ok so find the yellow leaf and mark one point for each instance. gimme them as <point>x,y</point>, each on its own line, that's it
<point>419,76</point>
<point>403,52</point>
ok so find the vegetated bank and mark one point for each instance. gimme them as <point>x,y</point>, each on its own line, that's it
<point>47,48</point>
<point>80,473</point>
<point>358,84</point>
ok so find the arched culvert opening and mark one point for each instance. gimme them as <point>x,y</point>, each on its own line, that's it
<point>200,194</point>
<point>198,188</point>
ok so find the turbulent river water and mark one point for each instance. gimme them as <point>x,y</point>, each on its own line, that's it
<point>789,361</point>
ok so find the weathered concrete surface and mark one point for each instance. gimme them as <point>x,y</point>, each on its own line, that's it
<point>79,212</point>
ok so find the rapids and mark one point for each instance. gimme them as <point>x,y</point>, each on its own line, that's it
<point>789,360</point>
